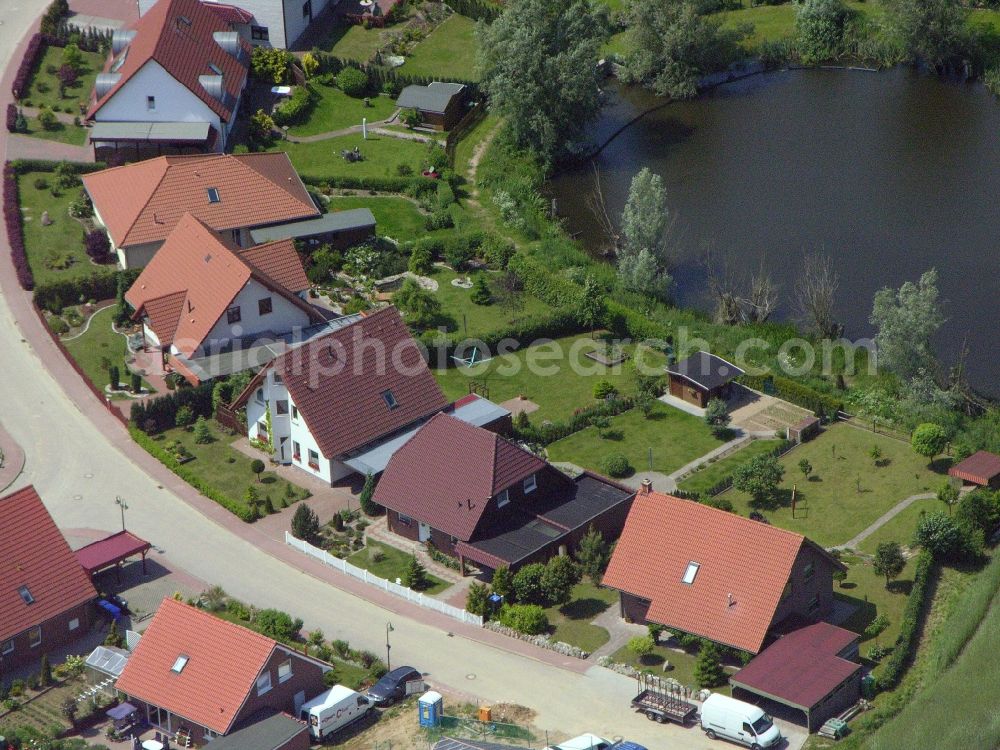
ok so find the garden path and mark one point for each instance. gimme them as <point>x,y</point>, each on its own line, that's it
<point>372,127</point>
<point>26,147</point>
<point>884,519</point>
<point>621,632</point>
<point>63,117</point>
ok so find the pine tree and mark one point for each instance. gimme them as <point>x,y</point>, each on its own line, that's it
<point>708,671</point>
<point>369,506</point>
<point>305,523</point>
<point>45,671</point>
<point>114,636</point>
<point>481,291</point>
<point>202,435</point>
<point>415,575</point>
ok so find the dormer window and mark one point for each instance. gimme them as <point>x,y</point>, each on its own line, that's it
<point>215,69</point>
<point>179,664</point>
<point>690,572</point>
<point>213,195</point>
<point>390,399</point>
<point>503,498</point>
<point>530,484</point>
<point>26,595</point>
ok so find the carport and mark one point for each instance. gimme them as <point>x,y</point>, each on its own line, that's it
<point>112,551</point>
<point>810,670</point>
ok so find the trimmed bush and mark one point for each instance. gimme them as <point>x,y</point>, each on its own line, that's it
<point>616,465</point>
<point>159,414</point>
<point>352,81</point>
<point>524,618</point>
<point>296,108</point>
<point>98,246</point>
<point>898,661</point>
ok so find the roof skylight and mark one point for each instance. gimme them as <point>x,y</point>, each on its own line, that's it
<point>390,399</point>
<point>690,573</point>
<point>179,665</point>
<point>26,595</point>
<point>213,195</point>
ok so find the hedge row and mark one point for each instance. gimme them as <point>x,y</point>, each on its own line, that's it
<point>35,47</point>
<point>824,405</point>
<point>539,281</point>
<point>475,9</point>
<point>897,662</point>
<point>379,76</point>
<point>55,295</point>
<point>625,322</point>
<point>49,165</point>
<point>415,186</point>
<point>582,418</point>
<point>159,414</point>
<point>11,118</point>
<point>157,451</point>
<point>15,229</point>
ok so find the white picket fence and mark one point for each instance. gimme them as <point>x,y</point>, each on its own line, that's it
<point>361,574</point>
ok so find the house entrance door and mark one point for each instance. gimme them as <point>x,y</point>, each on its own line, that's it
<point>423,532</point>
<point>283,449</point>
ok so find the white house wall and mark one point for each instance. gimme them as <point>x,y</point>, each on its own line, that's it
<point>283,318</point>
<point>137,256</point>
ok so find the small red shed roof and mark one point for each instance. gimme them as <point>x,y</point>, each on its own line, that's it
<point>802,668</point>
<point>981,468</point>
<point>110,550</point>
<point>35,558</point>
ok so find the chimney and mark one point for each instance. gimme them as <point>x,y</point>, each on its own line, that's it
<point>731,600</point>
<point>646,487</point>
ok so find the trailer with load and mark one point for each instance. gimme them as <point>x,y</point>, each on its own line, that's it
<point>662,702</point>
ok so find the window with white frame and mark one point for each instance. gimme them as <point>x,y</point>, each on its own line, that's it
<point>35,636</point>
<point>264,683</point>
<point>281,406</point>
<point>503,498</point>
<point>151,103</point>
<point>690,572</point>
<point>295,413</point>
<point>530,484</point>
<point>74,623</point>
<point>7,647</point>
<point>285,671</point>
<point>313,460</point>
<point>296,451</point>
<point>26,596</point>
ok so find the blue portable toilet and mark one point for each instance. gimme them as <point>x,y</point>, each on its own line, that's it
<point>430,706</point>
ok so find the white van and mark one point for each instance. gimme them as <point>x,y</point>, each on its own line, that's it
<point>332,710</point>
<point>583,742</point>
<point>739,722</point>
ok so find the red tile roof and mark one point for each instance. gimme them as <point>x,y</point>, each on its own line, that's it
<point>230,13</point>
<point>224,661</point>
<point>801,668</point>
<point>748,559</point>
<point>337,382</point>
<point>446,474</point>
<point>33,553</point>
<point>142,202</point>
<point>209,273</point>
<point>980,468</point>
<point>110,550</point>
<point>280,261</point>
<point>178,35</point>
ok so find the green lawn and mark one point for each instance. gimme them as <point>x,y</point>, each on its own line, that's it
<point>392,566</point>
<point>44,86</point>
<point>683,664</point>
<point>448,52</point>
<point>396,217</point>
<point>674,436</point>
<point>57,244</point>
<point>556,376</point>
<point>382,155</point>
<point>571,622</point>
<point>829,508</point>
<point>902,526</point>
<point>470,140</point>
<point>99,347</point>
<point>223,467</point>
<point>74,135</point>
<point>866,590</point>
<point>352,42</point>
<point>770,22</point>
<point>713,473</point>
<point>336,110</point>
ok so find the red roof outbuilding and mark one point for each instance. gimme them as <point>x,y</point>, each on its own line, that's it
<point>982,468</point>
<point>36,564</point>
<point>106,552</point>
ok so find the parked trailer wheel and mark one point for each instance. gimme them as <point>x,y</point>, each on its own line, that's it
<point>651,715</point>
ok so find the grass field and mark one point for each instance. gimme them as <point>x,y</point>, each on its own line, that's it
<point>571,622</point>
<point>99,346</point>
<point>74,135</point>
<point>382,155</point>
<point>223,467</point>
<point>556,376</point>
<point>674,436</point>
<point>829,508</point>
<point>901,527</point>
<point>713,473</point>
<point>682,662</point>
<point>396,217</point>
<point>448,52</point>
<point>44,86</point>
<point>336,110</point>
<point>472,138</point>
<point>61,239</point>
<point>866,590</point>
<point>352,42</point>
<point>392,566</point>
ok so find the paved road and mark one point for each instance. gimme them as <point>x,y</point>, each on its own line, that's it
<point>80,459</point>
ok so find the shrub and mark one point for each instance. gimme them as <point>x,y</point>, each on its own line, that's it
<point>47,119</point>
<point>58,326</point>
<point>415,575</point>
<point>641,645</point>
<point>305,523</point>
<point>98,246</point>
<point>421,262</point>
<point>503,582</point>
<point>368,506</point>
<point>410,118</point>
<point>929,439</point>
<point>260,128</point>
<point>202,434</point>
<point>902,651</point>
<point>527,584</point>
<point>557,582</point>
<point>603,389</point>
<point>819,25</point>
<point>481,294</point>
<point>524,618</point>
<point>278,625</point>
<point>159,414</point>
<point>877,652</point>
<point>477,599</point>
<point>352,81</point>
<point>271,64</point>
<point>708,671</point>
<point>616,465</point>
<point>185,416</point>
<point>947,540</point>
<point>876,626</point>
<point>295,109</point>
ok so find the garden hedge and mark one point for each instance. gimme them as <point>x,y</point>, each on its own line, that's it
<point>101,285</point>
<point>582,418</point>
<point>160,454</point>
<point>379,77</point>
<point>476,9</point>
<point>159,414</point>
<point>415,186</point>
<point>902,652</point>
<point>11,118</point>
<point>539,281</point>
<point>15,229</point>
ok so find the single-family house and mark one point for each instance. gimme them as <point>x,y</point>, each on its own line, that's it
<point>982,468</point>
<point>195,676</point>
<point>702,377</point>
<point>263,23</point>
<point>140,204</point>
<point>203,294</point>
<point>715,574</point>
<point>338,404</point>
<point>480,497</point>
<point>440,105</point>
<point>46,598</point>
<point>172,84</point>
<point>812,670</point>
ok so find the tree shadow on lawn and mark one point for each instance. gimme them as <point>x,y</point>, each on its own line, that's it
<point>941,465</point>
<point>862,616</point>
<point>651,660</point>
<point>583,609</point>
<point>900,587</point>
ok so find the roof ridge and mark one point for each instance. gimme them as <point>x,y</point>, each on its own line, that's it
<point>285,188</point>
<point>730,515</point>
<point>149,196</point>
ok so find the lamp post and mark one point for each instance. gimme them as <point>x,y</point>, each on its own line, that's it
<point>388,629</point>
<point>120,502</point>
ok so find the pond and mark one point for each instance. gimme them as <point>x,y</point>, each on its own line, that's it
<point>888,173</point>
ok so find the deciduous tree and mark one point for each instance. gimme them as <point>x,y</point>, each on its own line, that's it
<point>759,477</point>
<point>889,560</point>
<point>907,318</point>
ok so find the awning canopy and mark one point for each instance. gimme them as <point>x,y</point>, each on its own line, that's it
<point>110,551</point>
<point>121,711</point>
<point>178,132</point>
<point>331,223</point>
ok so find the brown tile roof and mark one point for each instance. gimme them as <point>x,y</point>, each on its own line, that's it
<point>223,663</point>
<point>142,202</point>
<point>446,474</point>
<point>337,382</point>
<point>801,668</point>
<point>981,468</point>
<point>280,261</point>
<point>33,553</point>
<point>748,559</point>
<point>193,278</point>
<point>178,34</point>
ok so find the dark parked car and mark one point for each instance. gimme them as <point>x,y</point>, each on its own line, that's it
<point>392,686</point>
